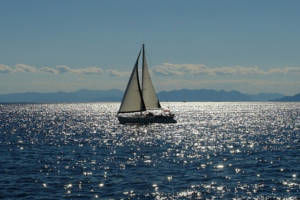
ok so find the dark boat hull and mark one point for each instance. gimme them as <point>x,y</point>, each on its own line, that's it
<point>147,119</point>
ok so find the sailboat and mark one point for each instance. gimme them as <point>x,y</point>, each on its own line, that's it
<point>140,104</point>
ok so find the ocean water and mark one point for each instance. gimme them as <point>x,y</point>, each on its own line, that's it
<point>215,151</point>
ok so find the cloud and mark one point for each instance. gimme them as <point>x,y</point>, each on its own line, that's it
<point>60,69</point>
<point>179,69</point>
<point>49,70</point>
<point>25,68</point>
<point>198,69</point>
<point>63,69</point>
<point>5,69</point>
<point>284,70</point>
<point>17,68</point>
<point>117,73</point>
<point>237,70</point>
<point>164,69</point>
<point>88,70</point>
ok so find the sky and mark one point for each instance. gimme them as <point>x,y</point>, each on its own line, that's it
<point>249,46</point>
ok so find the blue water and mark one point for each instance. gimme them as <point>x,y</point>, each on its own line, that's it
<point>215,151</point>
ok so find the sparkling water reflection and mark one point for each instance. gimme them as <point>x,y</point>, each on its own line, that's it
<point>215,151</point>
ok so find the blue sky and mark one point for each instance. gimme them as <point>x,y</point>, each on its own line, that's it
<point>250,46</point>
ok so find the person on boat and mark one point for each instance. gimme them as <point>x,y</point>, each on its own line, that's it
<point>166,112</point>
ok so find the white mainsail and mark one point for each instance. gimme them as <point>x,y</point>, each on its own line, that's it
<point>132,100</point>
<point>150,99</point>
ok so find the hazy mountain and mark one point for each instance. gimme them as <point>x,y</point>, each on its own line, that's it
<point>214,95</point>
<point>116,95</point>
<point>296,97</point>
<point>202,95</point>
<point>77,96</point>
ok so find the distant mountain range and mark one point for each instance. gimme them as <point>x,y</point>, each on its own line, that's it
<point>296,97</point>
<point>214,95</point>
<point>116,96</point>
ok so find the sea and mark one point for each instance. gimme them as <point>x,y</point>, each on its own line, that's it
<point>219,150</point>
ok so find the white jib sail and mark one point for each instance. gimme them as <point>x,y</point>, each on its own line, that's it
<point>150,99</point>
<point>132,100</point>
